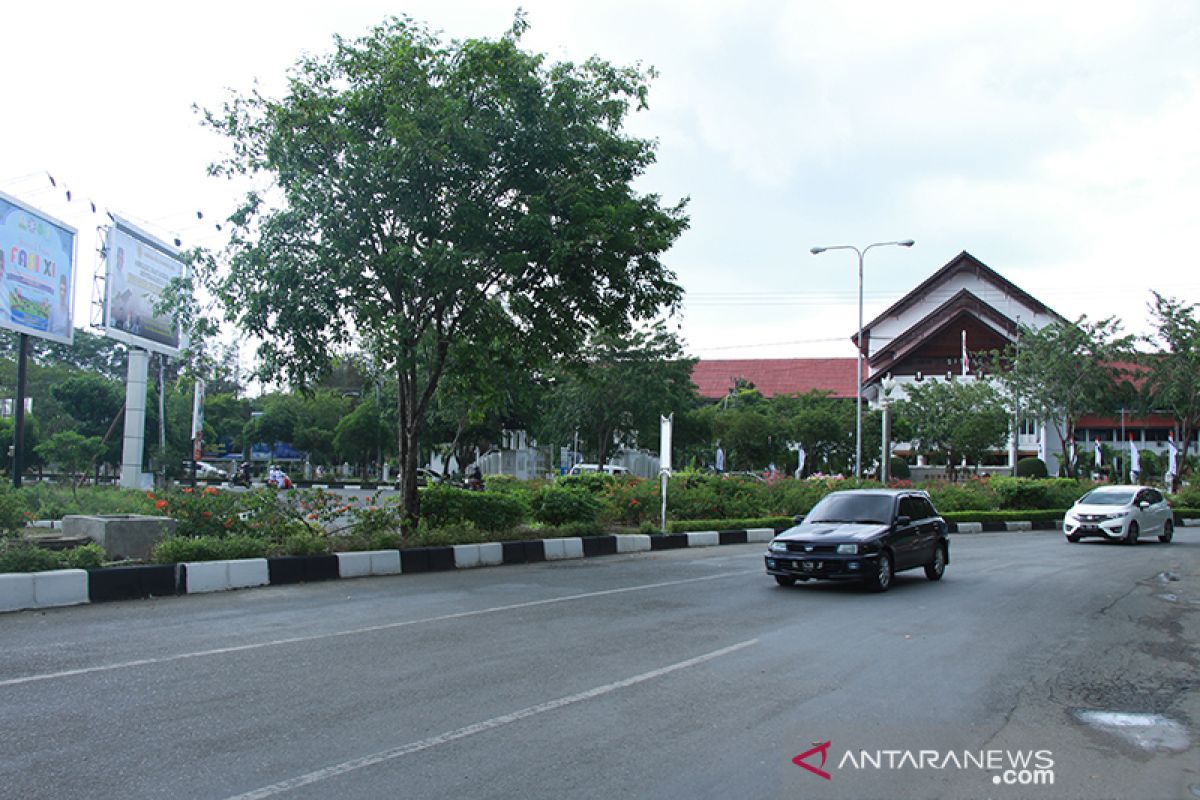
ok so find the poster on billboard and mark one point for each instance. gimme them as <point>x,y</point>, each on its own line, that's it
<point>139,267</point>
<point>37,272</point>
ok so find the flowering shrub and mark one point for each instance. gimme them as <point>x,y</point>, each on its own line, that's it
<point>204,512</point>
<point>558,505</point>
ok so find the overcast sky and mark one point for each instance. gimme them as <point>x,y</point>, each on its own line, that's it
<point>1058,142</point>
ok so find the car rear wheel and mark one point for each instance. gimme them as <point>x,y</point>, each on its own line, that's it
<point>936,568</point>
<point>1131,535</point>
<point>1168,531</point>
<point>881,579</point>
<point>784,580</point>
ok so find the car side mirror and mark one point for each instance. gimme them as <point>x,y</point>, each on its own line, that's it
<point>798,519</point>
<point>902,519</point>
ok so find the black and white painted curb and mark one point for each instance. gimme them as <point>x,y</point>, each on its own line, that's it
<point>36,590</point>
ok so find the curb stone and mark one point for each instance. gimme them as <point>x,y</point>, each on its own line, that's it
<point>35,590</point>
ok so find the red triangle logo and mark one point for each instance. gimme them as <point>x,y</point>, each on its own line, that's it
<point>823,749</point>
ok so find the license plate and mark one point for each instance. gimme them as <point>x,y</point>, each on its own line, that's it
<point>809,566</point>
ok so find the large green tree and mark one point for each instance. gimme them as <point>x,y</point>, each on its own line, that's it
<point>1172,378</point>
<point>1063,370</point>
<point>955,420</point>
<point>617,394</point>
<point>428,191</point>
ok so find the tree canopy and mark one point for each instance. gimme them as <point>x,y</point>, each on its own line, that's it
<point>1173,376</point>
<point>1064,370</point>
<point>429,193</point>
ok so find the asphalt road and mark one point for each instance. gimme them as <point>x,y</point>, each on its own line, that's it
<point>676,674</point>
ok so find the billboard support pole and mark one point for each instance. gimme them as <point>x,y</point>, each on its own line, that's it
<point>19,412</point>
<point>135,418</point>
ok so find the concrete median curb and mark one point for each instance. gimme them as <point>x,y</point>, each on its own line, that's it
<point>37,590</point>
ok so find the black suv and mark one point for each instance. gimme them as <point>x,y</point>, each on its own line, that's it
<point>862,534</point>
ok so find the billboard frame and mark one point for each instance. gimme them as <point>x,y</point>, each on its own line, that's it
<point>149,240</point>
<point>8,324</point>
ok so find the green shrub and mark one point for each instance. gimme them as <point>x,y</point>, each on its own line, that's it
<point>1018,515</point>
<point>1037,493</point>
<point>572,530</point>
<point>23,557</point>
<point>1031,468</point>
<point>594,482</point>
<point>87,556</point>
<point>971,495</point>
<point>690,525</point>
<point>444,506</point>
<point>898,469</point>
<point>445,536</point>
<point>14,510</point>
<point>176,549</point>
<point>559,505</point>
<point>307,543</point>
<point>203,512</point>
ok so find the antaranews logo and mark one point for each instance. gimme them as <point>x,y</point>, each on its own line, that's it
<point>800,761</point>
<point>1007,767</point>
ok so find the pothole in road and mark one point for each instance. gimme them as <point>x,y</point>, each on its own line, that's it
<point>1150,732</point>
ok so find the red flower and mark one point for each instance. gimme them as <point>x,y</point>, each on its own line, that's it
<point>210,490</point>
<point>207,515</point>
<point>160,505</point>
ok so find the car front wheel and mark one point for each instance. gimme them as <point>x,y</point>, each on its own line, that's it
<point>1168,531</point>
<point>936,568</point>
<point>784,580</point>
<point>881,579</point>
<point>1131,535</point>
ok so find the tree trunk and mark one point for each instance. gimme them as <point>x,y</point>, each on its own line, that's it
<point>408,446</point>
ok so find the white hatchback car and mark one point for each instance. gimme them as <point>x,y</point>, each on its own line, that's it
<point>1120,513</point>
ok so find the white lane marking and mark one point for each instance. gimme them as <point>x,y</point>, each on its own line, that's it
<point>479,727</point>
<point>219,651</point>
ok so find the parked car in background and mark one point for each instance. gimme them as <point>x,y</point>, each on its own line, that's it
<point>206,471</point>
<point>1120,514</point>
<point>863,534</point>
<point>609,469</point>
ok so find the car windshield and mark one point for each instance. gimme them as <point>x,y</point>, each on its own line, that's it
<point>1108,497</point>
<point>851,507</point>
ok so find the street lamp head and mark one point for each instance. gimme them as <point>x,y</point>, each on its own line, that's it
<point>906,243</point>
<point>816,251</point>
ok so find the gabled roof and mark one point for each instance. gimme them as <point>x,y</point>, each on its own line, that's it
<point>963,262</point>
<point>773,376</point>
<point>946,315</point>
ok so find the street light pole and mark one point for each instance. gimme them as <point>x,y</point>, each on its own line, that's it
<point>859,360</point>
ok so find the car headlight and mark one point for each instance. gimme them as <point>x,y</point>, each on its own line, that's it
<point>778,547</point>
<point>1118,514</point>
<point>847,549</point>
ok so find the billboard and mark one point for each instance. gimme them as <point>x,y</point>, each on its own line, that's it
<point>37,272</point>
<point>139,267</point>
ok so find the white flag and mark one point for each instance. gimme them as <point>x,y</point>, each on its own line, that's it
<point>966,360</point>
<point>1172,454</point>
<point>1098,455</point>
<point>800,457</point>
<point>1135,460</point>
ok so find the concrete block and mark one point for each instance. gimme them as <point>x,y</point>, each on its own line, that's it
<point>354,565</point>
<point>703,539</point>
<point>206,576</point>
<point>760,534</point>
<point>632,542</point>
<point>16,591</point>
<point>247,572</point>
<point>466,556</point>
<point>60,587</point>
<point>491,554</point>
<point>559,549</point>
<point>970,527</point>
<point>385,562</point>
<point>121,535</point>
<point>1020,526</point>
